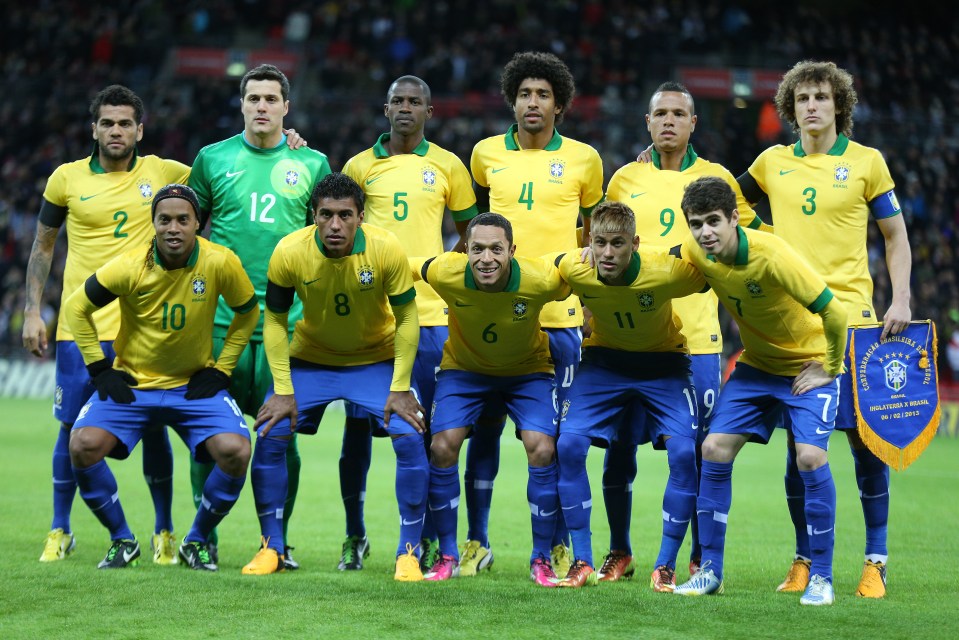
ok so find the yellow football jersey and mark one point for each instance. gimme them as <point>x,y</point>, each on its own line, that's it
<point>407,194</point>
<point>497,334</point>
<point>654,196</point>
<point>638,316</point>
<point>107,212</point>
<point>541,192</point>
<point>820,206</point>
<point>774,296</point>
<point>347,319</point>
<point>166,317</point>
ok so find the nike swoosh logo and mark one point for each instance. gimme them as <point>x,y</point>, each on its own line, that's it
<point>573,507</point>
<point>309,282</point>
<point>233,174</point>
<point>546,514</point>
<point>128,555</point>
<point>440,508</point>
<point>782,173</point>
<point>143,293</point>
<point>636,195</point>
<point>372,180</point>
<point>823,432</point>
<point>671,519</point>
<point>817,532</point>
<point>460,304</point>
<point>418,520</point>
<point>500,169</point>
<point>85,198</point>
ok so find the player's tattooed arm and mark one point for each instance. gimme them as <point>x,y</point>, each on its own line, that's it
<point>38,269</point>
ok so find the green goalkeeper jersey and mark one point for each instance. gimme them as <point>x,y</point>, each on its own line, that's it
<point>255,197</point>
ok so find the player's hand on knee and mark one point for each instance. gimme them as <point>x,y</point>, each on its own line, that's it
<point>206,383</point>
<point>811,376</point>
<point>111,382</point>
<point>405,405</point>
<point>274,410</point>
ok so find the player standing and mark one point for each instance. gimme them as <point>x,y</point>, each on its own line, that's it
<point>541,182</point>
<point>653,190</point>
<point>356,342</point>
<point>408,182</point>
<point>635,363</point>
<point>168,291</point>
<point>105,202</point>
<point>821,191</point>
<point>255,190</point>
<point>790,362</point>
<point>496,354</point>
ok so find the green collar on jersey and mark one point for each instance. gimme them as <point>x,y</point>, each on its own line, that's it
<point>838,148</point>
<point>252,147</point>
<point>511,145</point>
<point>359,242</point>
<point>512,286</point>
<point>742,253</point>
<point>689,158</point>
<point>158,259</point>
<point>95,165</point>
<point>381,151</point>
<point>631,273</point>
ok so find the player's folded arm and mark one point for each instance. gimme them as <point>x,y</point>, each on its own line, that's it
<point>276,336</point>
<point>407,338</point>
<point>834,324</point>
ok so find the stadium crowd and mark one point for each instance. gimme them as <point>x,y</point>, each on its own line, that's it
<point>905,68</point>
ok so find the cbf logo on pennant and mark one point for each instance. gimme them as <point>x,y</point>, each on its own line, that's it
<point>895,375</point>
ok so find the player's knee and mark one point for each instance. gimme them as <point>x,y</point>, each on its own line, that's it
<point>231,453</point>
<point>717,450</point>
<point>571,452</point>
<point>681,454</point>
<point>87,446</point>
<point>540,451</point>
<point>444,452</point>
<point>810,458</point>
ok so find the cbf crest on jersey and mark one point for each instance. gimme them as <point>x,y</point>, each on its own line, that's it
<point>896,391</point>
<point>753,287</point>
<point>646,300</point>
<point>520,308</point>
<point>429,177</point>
<point>290,179</point>
<point>198,285</point>
<point>557,169</point>
<point>365,277</point>
<point>841,174</point>
<point>146,189</point>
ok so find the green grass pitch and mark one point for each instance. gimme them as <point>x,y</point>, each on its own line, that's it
<point>73,599</point>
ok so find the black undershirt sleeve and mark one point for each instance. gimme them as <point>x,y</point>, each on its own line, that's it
<point>98,294</point>
<point>51,214</point>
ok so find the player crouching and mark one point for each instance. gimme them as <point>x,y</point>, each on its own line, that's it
<point>167,294</point>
